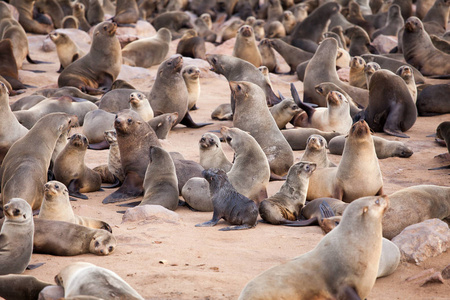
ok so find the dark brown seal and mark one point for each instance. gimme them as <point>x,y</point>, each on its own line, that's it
<point>191,45</point>
<point>21,287</point>
<point>433,100</point>
<point>228,204</point>
<point>126,12</point>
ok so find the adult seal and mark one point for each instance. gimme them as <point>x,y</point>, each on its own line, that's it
<point>245,46</point>
<point>355,268</point>
<point>228,204</point>
<point>97,70</point>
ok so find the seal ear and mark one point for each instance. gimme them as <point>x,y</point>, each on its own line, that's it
<point>139,122</point>
<point>365,209</point>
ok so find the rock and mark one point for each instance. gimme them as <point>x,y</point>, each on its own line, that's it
<point>80,37</point>
<point>52,292</point>
<point>344,74</point>
<point>384,43</point>
<point>129,73</point>
<point>196,193</point>
<point>151,214</point>
<point>423,240</point>
<point>446,272</point>
<point>224,48</point>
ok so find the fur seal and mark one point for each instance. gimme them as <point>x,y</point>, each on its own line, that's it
<point>71,170</point>
<point>289,21</point>
<point>127,12</point>
<point>284,111</point>
<point>406,73</point>
<point>250,172</point>
<point>64,91</point>
<point>16,237</point>
<point>9,73</point>
<point>114,161</point>
<point>413,205</point>
<point>26,12</point>
<point>359,41</point>
<point>31,174</point>
<point>252,115</point>
<point>228,203</point>
<point>98,69</point>
<point>443,133</point>
<point>70,21</point>
<point>222,112</point>
<point>384,148</point>
<point>203,25</point>
<point>297,137</point>
<point>134,137</point>
<point>79,12</point>
<point>419,51</point>
<point>162,124</point>
<point>191,45</point>
<point>191,76</point>
<point>245,46</point>
<point>358,174</point>
<point>196,194</point>
<point>56,206</point>
<point>67,50</point>
<point>325,87</point>
<point>160,182</point>
<point>322,68</point>
<point>436,19</point>
<point>174,21</point>
<point>357,76</point>
<point>393,24</point>
<point>292,55</point>
<point>10,129</point>
<point>231,30</point>
<point>316,152</point>
<point>211,153</point>
<point>275,30</point>
<point>95,13</point>
<point>148,52</point>
<point>268,58</point>
<point>140,104</point>
<point>440,43</point>
<point>286,204</point>
<point>432,100</point>
<point>308,276</point>
<point>186,169</point>
<point>369,69</point>
<point>20,287</point>
<point>392,108</point>
<point>76,279</point>
<point>96,122</point>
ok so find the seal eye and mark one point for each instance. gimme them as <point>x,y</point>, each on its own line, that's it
<point>111,248</point>
<point>229,139</point>
<point>130,120</point>
<point>105,28</point>
<point>319,89</point>
<point>202,139</point>
<point>211,141</point>
<point>378,201</point>
<point>307,167</point>
<point>97,244</point>
<point>214,61</point>
<point>56,186</point>
<point>239,87</point>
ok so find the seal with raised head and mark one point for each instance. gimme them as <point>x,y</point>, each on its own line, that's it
<point>211,153</point>
<point>359,41</point>
<point>191,76</point>
<point>26,178</point>
<point>316,152</point>
<point>355,268</point>
<point>16,237</point>
<point>140,104</point>
<point>252,115</point>
<point>357,76</point>
<point>286,204</point>
<point>160,182</point>
<point>406,73</point>
<point>393,24</point>
<point>268,58</point>
<point>76,279</point>
<point>191,45</point>
<point>71,170</point>
<point>134,137</point>
<point>291,54</point>
<point>148,52</point>
<point>298,137</point>
<point>67,50</point>
<point>162,124</point>
<point>250,172</point>
<point>56,206</point>
<point>358,174</point>
<point>245,46</point>
<point>79,12</point>
<point>228,203</point>
<point>284,111</point>
<point>98,69</point>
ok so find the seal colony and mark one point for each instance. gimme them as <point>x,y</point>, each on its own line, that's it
<point>147,167</point>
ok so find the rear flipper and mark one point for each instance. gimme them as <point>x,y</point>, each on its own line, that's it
<point>240,227</point>
<point>130,189</point>
<point>74,189</point>
<point>188,122</point>
<point>394,118</point>
<point>301,223</point>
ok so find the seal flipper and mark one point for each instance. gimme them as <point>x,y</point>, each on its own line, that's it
<point>74,189</point>
<point>271,98</point>
<point>348,293</point>
<point>300,223</point>
<point>307,108</point>
<point>99,146</point>
<point>34,266</point>
<point>326,211</point>
<point>132,187</point>
<point>32,61</point>
<point>392,123</point>
<point>61,68</point>
<point>188,122</point>
<point>215,219</point>
<point>116,183</point>
<point>275,177</point>
<point>239,227</point>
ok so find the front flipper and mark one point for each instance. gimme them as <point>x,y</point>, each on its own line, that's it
<point>188,122</point>
<point>34,266</point>
<point>325,210</point>
<point>211,223</point>
<point>307,108</point>
<point>392,125</point>
<point>130,189</point>
<point>347,293</point>
<point>74,189</point>
<point>300,223</point>
<point>99,146</point>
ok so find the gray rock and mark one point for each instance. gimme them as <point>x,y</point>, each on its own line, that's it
<point>196,193</point>
<point>150,214</point>
<point>423,240</point>
<point>384,43</point>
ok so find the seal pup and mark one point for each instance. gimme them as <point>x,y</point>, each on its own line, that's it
<point>358,174</point>
<point>56,206</point>
<point>191,45</point>
<point>175,21</point>
<point>79,12</point>
<point>26,178</point>
<point>357,76</point>
<point>275,30</point>
<point>148,52</point>
<point>96,122</point>
<point>114,162</point>
<point>98,69</point>
<point>71,170</point>
<point>432,100</point>
<point>20,287</point>
<point>191,76</point>
<point>127,12</point>
<point>369,69</point>
<point>10,129</point>
<point>250,172</point>
<point>286,204</point>
<point>252,115</point>
<point>292,55</point>
<point>325,87</point>
<point>407,75</point>
<point>67,50</point>
<point>211,153</point>
<point>359,41</point>
<point>160,182</point>
<point>391,110</point>
<point>134,137</point>
<point>268,58</point>
<point>222,112</point>
<point>140,104</point>
<point>419,51</point>
<point>162,124</point>
<point>289,21</point>
<point>355,268</point>
<point>76,279</point>
<point>245,46</point>
<point>228,203</point>
<point>297,137</point>
<point>383,148</point>
<point>284,111</point>
<point>16,237</point>
<point>316,152</point>
<point>443,133</point>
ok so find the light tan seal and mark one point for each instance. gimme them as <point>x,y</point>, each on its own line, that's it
<point>16,237</point>
<point>71,170</point>
<point>316,152</point>
<point>252,115</point>
<point>245,46</point>
<point>97,70</point>
<point>358,174</point>
<point>286,204</point>
<point>162,124</point>
<point>284,111</point>
<point>191,76</point>
<point>357,76</point>
<point>250,172</point>
<point>353,249</point>
<point>211,153</point>
<point>76,279</point>
<point>406,73</point>
<point>56,206</point>
<point>67,50</point>
<point>149,51</point>
<point>140,104</point>
<point>160,182</point>
<point>26,178</point>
